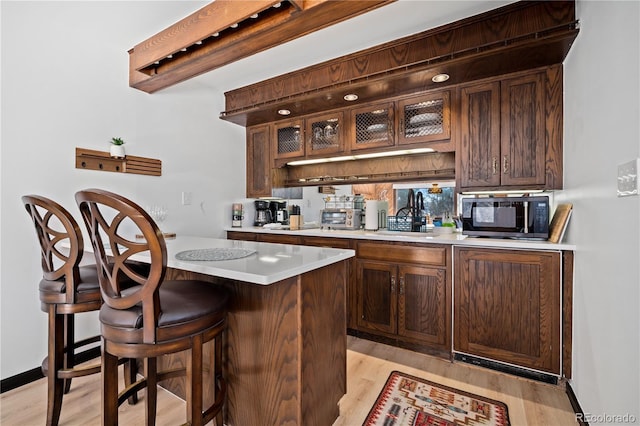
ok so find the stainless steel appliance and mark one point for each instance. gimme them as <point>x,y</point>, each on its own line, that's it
<point>341,218</point>
<point>263,214</point>
<point>506,217</point>
<point>279,212</point>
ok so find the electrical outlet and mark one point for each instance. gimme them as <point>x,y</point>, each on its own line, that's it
<point>186,198</point>
<point>628,178</point>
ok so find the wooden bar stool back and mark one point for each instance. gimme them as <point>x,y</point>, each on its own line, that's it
<point>157,317</point>
<point>65,290</point>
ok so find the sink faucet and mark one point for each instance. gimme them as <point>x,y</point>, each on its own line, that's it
<point>411,203</point>
<point>419,204</point>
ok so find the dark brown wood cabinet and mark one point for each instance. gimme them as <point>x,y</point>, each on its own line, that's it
<point>507,306</point>
<point>505,138</point>
<point>404,292</point>
<point>306,240</point>
<point>372,126</point>
<point>324,134</point>
<point>422,304</point>
<point>522,132</point>
<point>479,148</point>
<point>419,121</point>
<point>506,133</point>
<point>425,118</point>
<point>511,306</point>
<point>288,139</point>
<point>242,236</point>
<point>377,296</point>
<point>259,182</point>
<point>279,239</point>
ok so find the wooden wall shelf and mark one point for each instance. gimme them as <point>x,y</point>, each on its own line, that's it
<point>99,160</point>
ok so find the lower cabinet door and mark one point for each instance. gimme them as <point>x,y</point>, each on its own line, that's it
<point>424,305</point>
<point>507,306</point>
<point>377,297</point>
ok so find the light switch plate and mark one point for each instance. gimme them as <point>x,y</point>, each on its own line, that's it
<point>186,198</point>
<point>628,178</point>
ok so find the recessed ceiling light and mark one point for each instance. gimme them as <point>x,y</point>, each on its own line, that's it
<point>254,16</point>
<point>350,97</point>
<point>439,78</point>
<point>234,25</point>
<point>284,112</point>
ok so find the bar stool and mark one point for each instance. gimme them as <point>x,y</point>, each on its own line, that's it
<point>157,317</point>
<point>66,289</point>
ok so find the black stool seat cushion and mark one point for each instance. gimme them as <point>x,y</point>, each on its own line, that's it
<point>88,282</point>
<point>181,302</point>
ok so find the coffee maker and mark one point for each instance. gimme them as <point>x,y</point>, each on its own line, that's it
<point>279,212</point>
<point>263,214</point>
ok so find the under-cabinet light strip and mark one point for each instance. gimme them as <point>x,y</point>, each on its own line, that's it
<point>360,156</point>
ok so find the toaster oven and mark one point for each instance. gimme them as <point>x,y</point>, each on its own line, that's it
<point>341,218</point>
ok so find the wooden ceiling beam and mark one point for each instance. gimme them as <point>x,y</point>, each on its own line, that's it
<point>225,31</point>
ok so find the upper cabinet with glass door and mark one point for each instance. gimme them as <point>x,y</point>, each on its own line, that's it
<point>424,118</point>
<point>288,139</point>
<point>324,134</point>
<point>372,126</point>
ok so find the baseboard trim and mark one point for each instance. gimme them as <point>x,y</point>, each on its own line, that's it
<point>34,374</point>
<point>20,379</point>
<point>573,399</point>
<point>506,368</point>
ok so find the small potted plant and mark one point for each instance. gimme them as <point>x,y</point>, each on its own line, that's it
<point>117,148</point>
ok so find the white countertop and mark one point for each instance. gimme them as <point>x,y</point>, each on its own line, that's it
<point>415,237</point>
<point>271,262</point>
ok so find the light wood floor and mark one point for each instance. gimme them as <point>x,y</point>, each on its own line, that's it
<point>368,366</point>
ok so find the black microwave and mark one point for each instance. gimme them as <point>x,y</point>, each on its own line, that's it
<point>506,217</point>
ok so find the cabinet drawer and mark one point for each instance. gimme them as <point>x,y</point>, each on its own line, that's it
<point>403,254</point>
<point>280,239</point>
<point>242,236</point>
<point>326,242</point>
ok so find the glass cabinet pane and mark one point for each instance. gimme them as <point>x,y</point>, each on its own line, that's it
<point>288,138</point>
<point>372,126</point>
<point>425,118</point>
<point>324,134</point>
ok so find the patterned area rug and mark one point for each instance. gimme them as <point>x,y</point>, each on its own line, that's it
<point>412,401</point>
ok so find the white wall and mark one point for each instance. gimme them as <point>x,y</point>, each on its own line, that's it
<point>64,85</point>
<point>602,117</point>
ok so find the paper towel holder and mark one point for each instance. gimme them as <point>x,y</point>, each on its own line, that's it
<point>371,216</point>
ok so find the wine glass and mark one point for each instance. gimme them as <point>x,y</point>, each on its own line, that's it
<point>158,213</point>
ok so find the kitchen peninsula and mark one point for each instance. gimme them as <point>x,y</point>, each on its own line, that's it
<point>285,342</point>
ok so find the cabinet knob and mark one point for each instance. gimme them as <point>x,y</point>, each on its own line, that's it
<point>505,165</point>
<point>401,285</point>
<point>494,164</point>
<point>393,284</point>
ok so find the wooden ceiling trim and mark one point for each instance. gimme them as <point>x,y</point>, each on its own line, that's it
<point>208,38</point>
<point>546,28</point>
<point>212,18</point>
